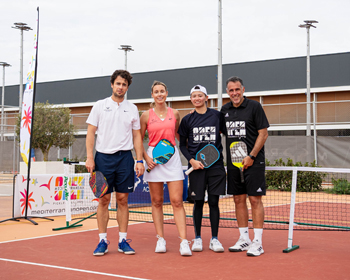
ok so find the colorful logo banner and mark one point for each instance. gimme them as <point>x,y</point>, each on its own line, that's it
<point>27,106</point>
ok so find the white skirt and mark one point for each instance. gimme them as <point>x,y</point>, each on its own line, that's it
<point>171,171</point>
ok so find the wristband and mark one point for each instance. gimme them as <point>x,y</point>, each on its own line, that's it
<point>139,161</point>
<point>252,157</point>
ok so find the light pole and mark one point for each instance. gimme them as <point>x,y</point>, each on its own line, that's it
<point>220,57</point>
<point>307,25</point>
<point>23,27</point>
<point>126,49</point>
<point>3,64</point>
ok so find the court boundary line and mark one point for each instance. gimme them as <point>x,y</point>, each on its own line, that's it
<point>74,269</point>
<point>63,233</point>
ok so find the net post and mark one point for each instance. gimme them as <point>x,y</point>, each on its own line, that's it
<point>67,191</point>
<point>291,213</point>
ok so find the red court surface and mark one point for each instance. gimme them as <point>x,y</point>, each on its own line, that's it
<point>322,255</point>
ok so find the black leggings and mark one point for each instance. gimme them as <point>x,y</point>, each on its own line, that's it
<point>214,214</point>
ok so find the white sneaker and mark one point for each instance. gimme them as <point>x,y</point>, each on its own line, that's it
<point>255,249</point>
<point>185,248</point>
<point>161,245</point>
<point>241,245</point>
<point>216,246</point>
<point>197,245</point>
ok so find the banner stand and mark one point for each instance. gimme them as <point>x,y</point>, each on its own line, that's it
<point>25,217</point>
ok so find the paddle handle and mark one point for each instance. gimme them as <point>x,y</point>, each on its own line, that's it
<point>242,176</point>
<point>188,171</point>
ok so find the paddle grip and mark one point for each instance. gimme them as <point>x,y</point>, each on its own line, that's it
<point>188,171</point>
<point>242,176</point>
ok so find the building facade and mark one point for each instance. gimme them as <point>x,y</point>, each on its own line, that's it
<point>279,85</point>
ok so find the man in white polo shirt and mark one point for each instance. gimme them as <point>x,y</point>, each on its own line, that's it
<point>117,124</point>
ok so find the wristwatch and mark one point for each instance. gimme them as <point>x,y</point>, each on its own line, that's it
<point>252,157</point>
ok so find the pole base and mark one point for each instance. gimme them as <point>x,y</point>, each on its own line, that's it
<point>288,250</point>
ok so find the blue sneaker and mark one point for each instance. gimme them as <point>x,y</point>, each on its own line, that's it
<point>124,247</point>
<point>102,248</point>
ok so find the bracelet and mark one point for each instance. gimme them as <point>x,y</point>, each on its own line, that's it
<point>139,161</point>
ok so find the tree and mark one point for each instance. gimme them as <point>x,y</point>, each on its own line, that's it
<point>52,128</point>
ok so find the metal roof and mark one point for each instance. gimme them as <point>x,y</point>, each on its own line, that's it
<point>330,70</point>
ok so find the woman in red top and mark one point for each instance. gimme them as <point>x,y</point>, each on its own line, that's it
<point>162,122</point>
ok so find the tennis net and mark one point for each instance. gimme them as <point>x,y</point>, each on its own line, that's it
<point>319,204</point>
<point>320,201</point>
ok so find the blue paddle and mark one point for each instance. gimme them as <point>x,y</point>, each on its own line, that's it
<point>162,152</point>
<point>208,155</point>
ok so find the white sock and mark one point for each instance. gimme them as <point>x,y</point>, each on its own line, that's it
<point>244,232</point>
<point>103,236</point>
<point>122,235</point>
<point>258,235</point>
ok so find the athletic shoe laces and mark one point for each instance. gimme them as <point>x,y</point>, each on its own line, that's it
<point>124,245</point>
<point>197,242</point>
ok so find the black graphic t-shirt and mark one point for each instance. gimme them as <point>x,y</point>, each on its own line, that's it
<point>242,124</point>
<point>203,129</point>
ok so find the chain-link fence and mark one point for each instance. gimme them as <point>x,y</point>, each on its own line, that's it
<point>328,143</point>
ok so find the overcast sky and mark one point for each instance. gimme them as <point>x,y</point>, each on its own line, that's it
<point>79,39</point>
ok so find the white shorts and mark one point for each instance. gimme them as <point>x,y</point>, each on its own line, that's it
<point>171,171</point>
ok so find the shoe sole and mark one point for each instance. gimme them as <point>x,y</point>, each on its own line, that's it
<point>197,250</point>
<point>252,255</point>
<point>186,253</point>
<point>237,250</point>
<point>217,251</point>
<point>126,253</point>
<point>100,254</point>
<point>164,251</point>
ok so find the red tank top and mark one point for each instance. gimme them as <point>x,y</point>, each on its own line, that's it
<point>158,129</point>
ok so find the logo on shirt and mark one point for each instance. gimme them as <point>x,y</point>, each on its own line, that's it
<point>204,134</point>
<point>236,129</point>
<point>126,111</point>
<point>108,109</point>
<point>153,120</point>
<point>227,115</point>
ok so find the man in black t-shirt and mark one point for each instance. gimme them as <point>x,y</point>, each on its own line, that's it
<point>246,124</point>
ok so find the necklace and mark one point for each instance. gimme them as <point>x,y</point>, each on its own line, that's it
<point>161,114</point>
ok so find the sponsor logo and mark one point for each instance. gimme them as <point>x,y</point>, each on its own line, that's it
<point>236,129</point>
<point>204,134</point>
<point>227,115</point>
<point>108,109</point>
<point>137,183</point>
<point>259,190</point>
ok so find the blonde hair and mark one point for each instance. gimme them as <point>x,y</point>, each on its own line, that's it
<point>156,83</point>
